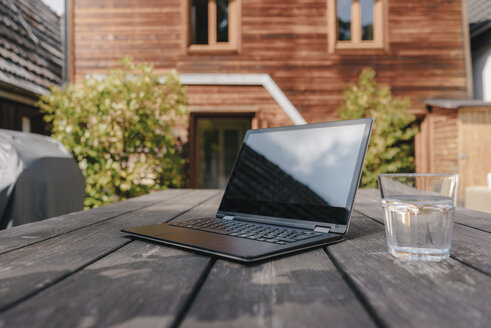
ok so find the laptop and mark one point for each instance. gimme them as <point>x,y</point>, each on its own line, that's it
<point>291,188</point>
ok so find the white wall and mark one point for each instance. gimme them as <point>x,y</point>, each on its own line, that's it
<point>481,71</point>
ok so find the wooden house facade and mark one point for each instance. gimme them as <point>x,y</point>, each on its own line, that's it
<point>264,63</point>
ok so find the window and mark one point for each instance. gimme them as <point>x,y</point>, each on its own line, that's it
<point>217,140</point>
<point>356,24</point>
<point>214,25</point>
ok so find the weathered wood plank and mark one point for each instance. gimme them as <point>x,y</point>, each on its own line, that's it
<point>30,269</point>
<point>367,200</point>
<point>141,284</point>
<point>28,234</point>
<point>303,290</point>
<point>473,219</point>
<point>469,245</point>
<point>275,293</point>
<point>472,247</point>
<point>144,284</point>
<point>412,294</point>
<point>206,209</point>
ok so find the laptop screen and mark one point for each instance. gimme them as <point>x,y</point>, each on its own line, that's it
<point>305,172</point>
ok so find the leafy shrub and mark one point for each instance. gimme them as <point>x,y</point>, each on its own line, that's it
<point>118,128</point>
<point>391,146</point>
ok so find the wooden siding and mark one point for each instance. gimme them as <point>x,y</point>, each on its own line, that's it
<point>288,40</point>
<point>436,142</point>
<point>445,134</point>
<point>233,100</point>
<point>474,145</point>
<point>267,111</point>
<point>456,140</point>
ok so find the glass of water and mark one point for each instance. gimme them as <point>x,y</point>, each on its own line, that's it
<point>419,211</point>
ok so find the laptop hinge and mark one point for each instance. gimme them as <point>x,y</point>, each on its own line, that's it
<point>228,217</point>
<point>322,229</point>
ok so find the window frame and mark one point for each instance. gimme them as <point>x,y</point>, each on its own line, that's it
<point>234,30</point>
<point>209,113</point>
<point>380,23</point>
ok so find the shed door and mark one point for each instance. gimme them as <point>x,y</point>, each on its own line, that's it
<point>474,147</point>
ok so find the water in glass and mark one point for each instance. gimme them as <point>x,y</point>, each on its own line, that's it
<point>419,227</point>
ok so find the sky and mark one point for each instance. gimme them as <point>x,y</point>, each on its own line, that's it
<point>58,6</point>
<point>326,166</point>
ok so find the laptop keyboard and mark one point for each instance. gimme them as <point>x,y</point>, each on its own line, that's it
<point>248,230</point>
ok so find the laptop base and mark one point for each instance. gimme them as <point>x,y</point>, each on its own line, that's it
<point>238,249</point>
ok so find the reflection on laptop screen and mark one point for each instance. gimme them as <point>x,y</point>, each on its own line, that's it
<point>304,174</point>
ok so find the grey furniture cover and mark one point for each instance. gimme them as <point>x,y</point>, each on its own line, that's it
<point>38,179</point>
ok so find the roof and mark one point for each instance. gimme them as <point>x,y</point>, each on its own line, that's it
<point>31,50</point>
<point>478,15</point>
<point>457,103</point>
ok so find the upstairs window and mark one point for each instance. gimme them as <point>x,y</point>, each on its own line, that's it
<point>214,25</point>
<point>356,24</point>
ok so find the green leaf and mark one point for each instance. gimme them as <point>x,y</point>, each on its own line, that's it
<point>391,147</point>
<point>119,130</point>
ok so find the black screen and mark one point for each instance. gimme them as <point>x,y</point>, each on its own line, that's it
<point>306,172</point>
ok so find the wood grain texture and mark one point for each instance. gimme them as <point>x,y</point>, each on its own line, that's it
<point>139,285</point>
<point>91,277</point>
<point>469,245</point>
<point>473,219</point>
<point>424,57</point>
<point>32,233</point>
<point>206,209</point>
<point>302,290</point>
<point>456,140</point>
<point>368,202</point>
<point>30,269</point>
<point>253,101</point>
<point>411,294</point>
<point>445,134</point>
<point>474,138</point>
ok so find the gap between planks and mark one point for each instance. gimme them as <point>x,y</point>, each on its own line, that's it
<point>94,260</point>
<point>87,225</point>
<point>463,262</point>
<point>188,302</point>
<point>362,298</point>
<point>61,278</point>
<point>370,195</point>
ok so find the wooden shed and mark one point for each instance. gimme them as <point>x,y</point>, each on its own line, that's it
<point>455,136</point>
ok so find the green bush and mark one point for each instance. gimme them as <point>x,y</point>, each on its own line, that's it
<point>118,128</point>
<point>391,146</point>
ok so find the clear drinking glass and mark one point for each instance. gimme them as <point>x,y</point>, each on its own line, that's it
<point>419,211</point>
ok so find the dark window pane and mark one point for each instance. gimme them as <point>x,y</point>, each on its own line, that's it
<point>231,149</point>
<point>222,20</point>
<point>367,19</point>
<point>199,22</point>
<point>343,9</point>
<point>218,141</point>
<point>209,156</point>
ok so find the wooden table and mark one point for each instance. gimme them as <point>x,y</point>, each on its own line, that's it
<point>78,270</point>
